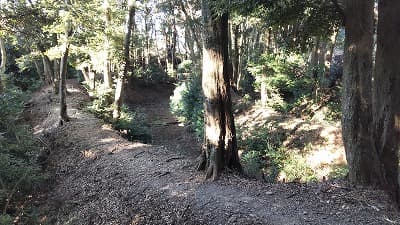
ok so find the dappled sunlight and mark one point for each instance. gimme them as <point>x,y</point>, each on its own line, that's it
<point>313,148</point>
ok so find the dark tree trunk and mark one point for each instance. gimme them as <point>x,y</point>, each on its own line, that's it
<point>386,94</point>
<point>39,71</point>
<point>362,159</point>
<point>220,147</point>
<point>63,87</point>
<point>48,69</point>
<point>121,79</point>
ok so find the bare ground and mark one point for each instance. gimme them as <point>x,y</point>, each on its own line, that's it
<point>101,178</point>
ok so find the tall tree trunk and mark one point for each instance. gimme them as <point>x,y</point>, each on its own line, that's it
<point>386,94</point>
<point>56,75</point>
<point>3,59</point>
<point>235,56</point>
<point>190,22</point>
<point>121,79</point>
<point>329,53</point>
<point>220,148</point>
<point>39,71</point>
<point>147,38</point>
<point>86,75</point>
<point>107,46</point>
<point>63,86</point>
<point>364,168</point>
<point>63,74</point>
<point>47,68</point>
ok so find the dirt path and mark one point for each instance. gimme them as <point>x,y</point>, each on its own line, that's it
<point>101,178</point>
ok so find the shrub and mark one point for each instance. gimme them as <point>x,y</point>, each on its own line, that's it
<point>284,77</point>
<point>187,103</point>
<point>295,168</point>
<point>253,163</point>
<point>6,220</point>
<point>19,171</point>
<point>131,124</point>
<point>264,155</point>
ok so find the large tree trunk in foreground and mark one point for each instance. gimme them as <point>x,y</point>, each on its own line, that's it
<point>386,94</point>
<point>362,159</point>
<point>122,77</point>
<point>220,148</point>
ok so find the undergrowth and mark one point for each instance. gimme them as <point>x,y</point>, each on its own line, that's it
<point>187,103</point>
<point>264,156</point>
<point>131,124</point>
<point>20,173</point>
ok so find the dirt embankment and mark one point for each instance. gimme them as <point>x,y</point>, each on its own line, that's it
<point>100,178</point>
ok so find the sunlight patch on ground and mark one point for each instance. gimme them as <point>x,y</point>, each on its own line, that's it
<point>88,154</point>
<point>73,90</point>
<point>108,140</point>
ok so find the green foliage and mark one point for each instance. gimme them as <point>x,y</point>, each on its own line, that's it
<point>284,78</point>
<point>263,152</point>
<point>253,163</point>
<point>185,66</point>
<point>151,74</point>
<point>131,124</point>
<point>264,155</point>
<point>187,103</point>
<point>295,168</point>
<point>339,171</point>
<point>19,171</point>
<point>6,220</point>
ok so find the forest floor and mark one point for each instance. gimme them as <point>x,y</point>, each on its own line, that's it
<point>100,178</point>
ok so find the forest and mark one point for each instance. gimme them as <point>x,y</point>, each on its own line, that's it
<point>199,112</point>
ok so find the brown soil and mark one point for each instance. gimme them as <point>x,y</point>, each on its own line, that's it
<point>101,178</point>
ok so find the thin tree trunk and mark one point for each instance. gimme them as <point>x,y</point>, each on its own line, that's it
<point>386,95</point>
<point>329,53</point>
<point>107,63</point>
<point>56,75</point>
<point>235,57</point>
<point>189,20</point>
<point>48,69</point>
<point>3,58</point>
<point>220,147</point>
<point>39,71</point>
<point>121,79</point>
<point>63,86</point>
<point>362,159</point>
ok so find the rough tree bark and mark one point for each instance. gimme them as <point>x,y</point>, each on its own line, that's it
<point>48,69</point>
<point>121,79</point>
<point>220,148</point>
<point>63,87</point>
<point>364,168</point>
<point>386,95</point>
<point>63,75</point>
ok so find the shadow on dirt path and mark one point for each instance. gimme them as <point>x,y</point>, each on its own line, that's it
<point>100,178</point>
